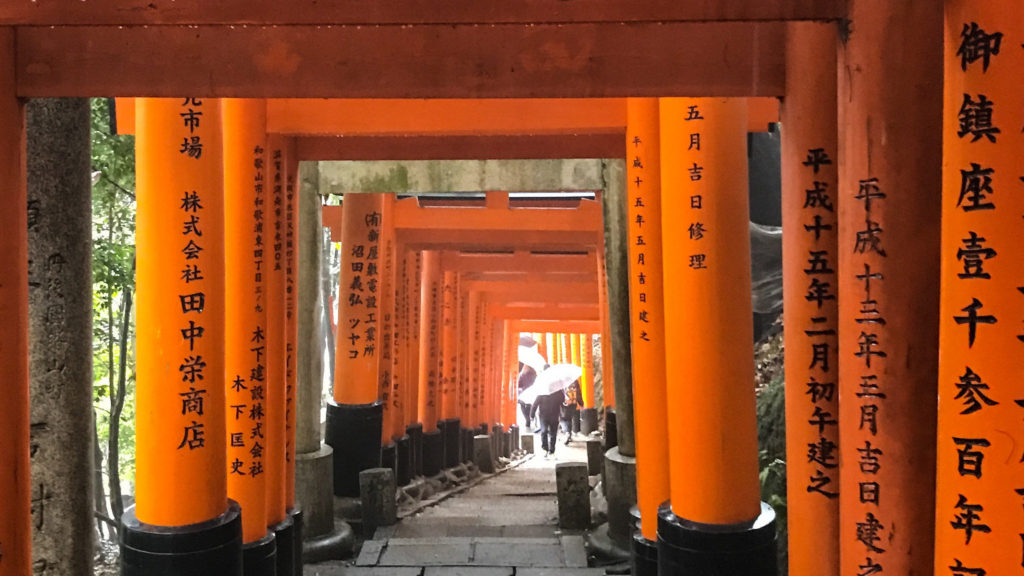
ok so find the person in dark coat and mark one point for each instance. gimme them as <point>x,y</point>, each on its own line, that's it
<point>548,408</point>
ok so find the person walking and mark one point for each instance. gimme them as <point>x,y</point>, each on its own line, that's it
<point>548,408</point>
<point>571,410</point>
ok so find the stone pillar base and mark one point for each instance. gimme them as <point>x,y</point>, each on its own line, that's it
<point>573,490</point>
<point>620,491</point>
<point>527,441</point>
<point>746,549</point>
<point>335,545</point>
<point>353,431</point>
<point>482,454</point>
<point>209,548</point>
<point>433,453</point>
<point>377,493</point>
<point>643,556</point>
<point>595,456</point>
<point>588,421</point>
<point>259,558</point>
<point>284,533</point>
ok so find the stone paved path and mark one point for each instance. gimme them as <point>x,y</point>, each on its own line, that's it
<point>504,526</point>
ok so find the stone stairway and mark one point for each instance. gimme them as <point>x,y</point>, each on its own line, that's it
<point>503,526</point>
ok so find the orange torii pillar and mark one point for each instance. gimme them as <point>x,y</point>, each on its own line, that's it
<point>291,559</point>
<point>181,469</point>
<point>715,522</point>
<point>274,408</point>
<point>404,463</point>
<point>411,271</point>
<point>246,217</point>
<point>890,166</point>
<point>810,258</point>
<point>589,416</point>
<point>647,325</point>
<point>382,287</point>
<point>429,379</point>
<point>15,506</point>
<point>450,424</point>
<point>354,418</point>
<point>980,482</point>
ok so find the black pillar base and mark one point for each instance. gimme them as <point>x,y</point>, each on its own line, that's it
<point>297,527</point>
<point>514,431</point>
<point>433,453</point>
<point>415,433</point>
<point>694,549</point>
<point>284,533</point>
<point>389,457</point>
<point>403,461</point>
<point>259,558</point>
<point>206,549</point>
<point>611,430</point>
<point>450,431</point>
<point>467,444</point>
<point>588,421</point>
<point>643,556</point>
<point>354,431</point>
<point>482,430</point>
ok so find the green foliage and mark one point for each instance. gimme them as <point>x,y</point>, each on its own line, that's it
<point>771,436</point>
<point>113,270</point>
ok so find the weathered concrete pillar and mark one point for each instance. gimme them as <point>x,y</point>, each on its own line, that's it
<point>889,205</point>
<point>620,459</point>
<point>377,493</point>
<point>573,488</point>
<point>616,241</point>
<point>323,538</point>
<point>482,455</point>
<point>60,335</point>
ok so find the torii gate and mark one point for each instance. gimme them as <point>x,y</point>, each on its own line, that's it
<point>58,56</point>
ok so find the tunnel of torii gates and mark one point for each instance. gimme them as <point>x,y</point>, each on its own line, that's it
<point>901,460</point>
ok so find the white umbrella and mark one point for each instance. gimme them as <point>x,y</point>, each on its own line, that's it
<point>532,358</point>
<point>555,378</point>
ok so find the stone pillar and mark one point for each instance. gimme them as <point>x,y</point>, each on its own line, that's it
<point>354,418</point>
<point>621,459</point>
<point>245,324</point>
<point>15,531</point>
<point>810,257</point>
<point>573,486</point>
<point>314,461</point>
<point>643,201</point>
<point>890,162</point>
<point>980,482</point>
<point>715,521</point>
<point>377,492</point>
<point>181,484</point>
<point>60,332</point>
<point>483,457</point>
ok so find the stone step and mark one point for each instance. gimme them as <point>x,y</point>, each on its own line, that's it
<point>550,552</point>
<point>337,570</point>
